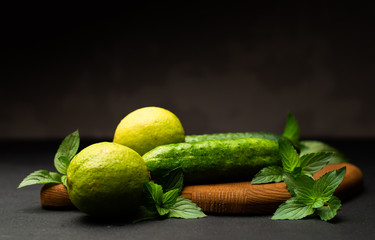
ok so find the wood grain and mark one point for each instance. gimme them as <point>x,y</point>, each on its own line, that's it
<point>54,196</point>
<point>231,198</point>
<point>245,198</point>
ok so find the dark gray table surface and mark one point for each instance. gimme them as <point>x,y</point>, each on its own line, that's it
<point>22,217</point>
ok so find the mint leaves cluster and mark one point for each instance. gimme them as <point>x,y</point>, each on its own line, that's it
<point>292,164</point>
<point>66,151</point>
<point>308,195</point>
<point>168,203</point>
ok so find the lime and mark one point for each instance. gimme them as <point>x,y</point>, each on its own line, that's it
<point>147,128</point>
<point>106,179</point>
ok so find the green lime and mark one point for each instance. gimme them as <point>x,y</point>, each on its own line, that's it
<point>147,128</point>
<point>106,179</point>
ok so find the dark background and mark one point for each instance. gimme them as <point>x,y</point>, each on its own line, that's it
<point>219,68</point>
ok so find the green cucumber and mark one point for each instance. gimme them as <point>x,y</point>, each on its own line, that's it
<point>214,160</point>
<point>311,146</point>
<point>218,136</point>
<point>306,146</point>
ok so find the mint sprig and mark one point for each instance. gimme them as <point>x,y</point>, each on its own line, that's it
<point>292,209</point>
<point>186,209</point>
<point>292,164</point>
<point>164,201</point>
<point>269,174</point>
<point>158,201</point>
<point>313,196</point>
<point>40,177</point>
<point>307,194</point>
<point>168,204</point>
<point>66,151</point>
<point>329,211</point>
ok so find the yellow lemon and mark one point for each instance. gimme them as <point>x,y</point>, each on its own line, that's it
<point>147,128</point>
<point>106,179</point>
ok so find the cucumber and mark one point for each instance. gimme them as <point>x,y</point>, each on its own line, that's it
<point>311,146</point>
<point>214,160</point>
<point>217,136</point>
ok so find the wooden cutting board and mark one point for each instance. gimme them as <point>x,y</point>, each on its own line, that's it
<point>245,198</point>
<point>232,198</point>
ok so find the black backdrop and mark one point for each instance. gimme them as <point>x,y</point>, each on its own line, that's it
<point>229,67</point>
<point>219,68</point>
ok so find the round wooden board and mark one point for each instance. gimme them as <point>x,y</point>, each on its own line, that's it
<point>54,196</point>
<point>246,198</point>
<point>231,198</point>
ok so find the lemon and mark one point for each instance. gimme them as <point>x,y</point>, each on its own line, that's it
<point>147,128</point>
<point>106,179</point>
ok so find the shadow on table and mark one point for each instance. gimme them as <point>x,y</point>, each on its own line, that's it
<point>41,210</point>
<point>113,221</point>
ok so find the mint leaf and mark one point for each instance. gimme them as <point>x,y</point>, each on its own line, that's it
<point>170,197</point>
<point>289,156</point>
<point>302,188</point>
<point>162,210</point>
<point>268,174</point>
<point>172,180</point>
<point>319,202</point>
<point>153,193</point>
<point>185,208</point>
<point>293,183</point>
<point>292,209</point>
<point>297,171</point>
<point>41,177</point>
<point>62,164</point>
<point>328,212</point>
<point>305,194</point>
<point>326,185</point>
<point>66,151</point>
<point>291,130</point>
<point>313,162</point>
<point>64,180</point>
